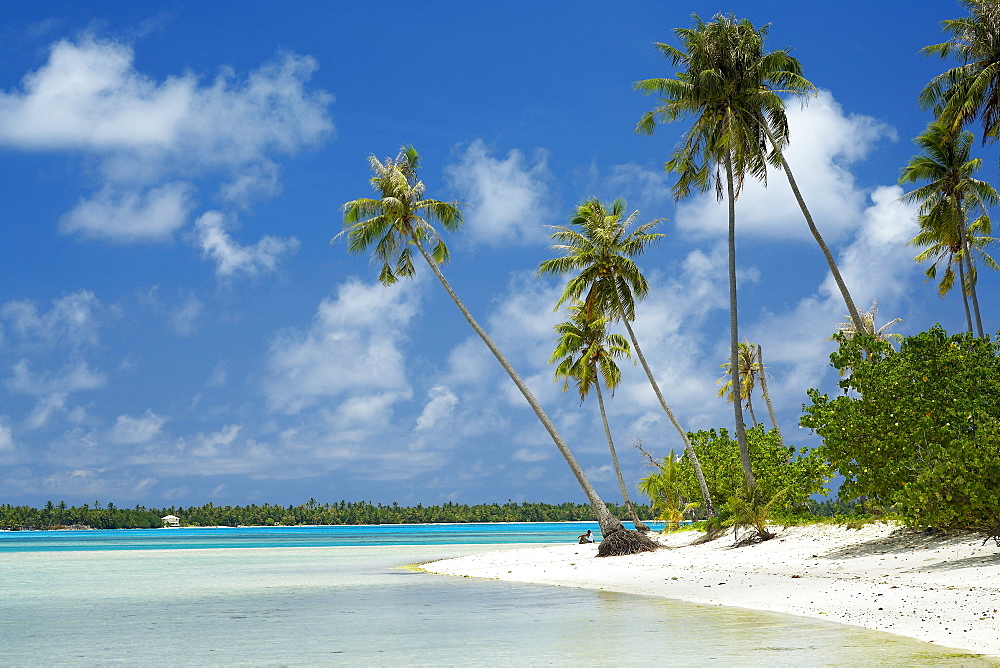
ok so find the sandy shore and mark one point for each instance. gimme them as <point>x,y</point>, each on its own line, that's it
<point>939,588</point>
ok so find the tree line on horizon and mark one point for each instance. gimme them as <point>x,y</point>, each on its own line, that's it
<point>97,516</point>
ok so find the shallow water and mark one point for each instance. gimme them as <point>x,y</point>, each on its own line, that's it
<point>360,606</point>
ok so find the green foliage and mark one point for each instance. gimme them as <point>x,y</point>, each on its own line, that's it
<point>664,491</point>
<point>752,510</point>
<point>917,429</point>
<point>798,474</point>
<point>344,512</point>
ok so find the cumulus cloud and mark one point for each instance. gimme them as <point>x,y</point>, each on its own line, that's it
<point>352,349</point>
<point>74,320</point>
<point>508,197</point>
<point>440,405</point>
<point>152,138</point>
<point>131,215</point>
<point>825,143</point>
<point>6,438</point>
<point>134,430</point>
<point>230,257</point>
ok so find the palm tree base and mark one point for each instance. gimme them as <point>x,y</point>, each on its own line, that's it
<point>625,541</point>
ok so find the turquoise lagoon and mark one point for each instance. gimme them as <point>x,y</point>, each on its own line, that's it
<point>344,596</point>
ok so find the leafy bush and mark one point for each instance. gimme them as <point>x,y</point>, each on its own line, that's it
<point>919,428</point>
<point>796,475</point>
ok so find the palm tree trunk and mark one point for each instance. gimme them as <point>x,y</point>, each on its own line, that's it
<point>965,294</point>
<point>617,539</point>
<point>734,334</point>
<point>851,308</point>
<point>971,273</point>
<point>753,418</point>
<point>639,525</point>
<point>702,484</point>
<point>767,396</point>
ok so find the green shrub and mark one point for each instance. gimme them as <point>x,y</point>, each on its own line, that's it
<point>917,430</point>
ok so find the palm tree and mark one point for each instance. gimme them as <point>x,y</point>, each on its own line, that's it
<point>944,247</point>
<point>735,88</point>
<point>749,372</point>
<point>400,219</point>
<point>848,329</point>
<point>586,354</point>
<point>948,197</point>
<point>600,247</point>
<point>767,395</point>
<point>728,84</point>
<point>972,89</point>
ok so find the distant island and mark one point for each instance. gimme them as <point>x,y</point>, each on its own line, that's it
<point>99,516</point>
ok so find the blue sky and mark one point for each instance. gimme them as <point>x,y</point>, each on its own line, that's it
<point>175,327</point>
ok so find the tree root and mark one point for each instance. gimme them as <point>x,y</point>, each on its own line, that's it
<point>625,541</point>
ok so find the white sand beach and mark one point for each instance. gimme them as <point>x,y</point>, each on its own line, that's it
<point>939,588</point>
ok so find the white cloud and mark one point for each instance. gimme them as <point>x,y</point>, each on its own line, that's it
<point>131,215</point>
<point>152,137</point>
<point>184,319</point>
<point>508,198</point>
<point>230,257</point>
<point>824,144</point>
<point>74,377</point>
<point>350,350</point>
<point>440,405</point>
<point>73,320</point>
<point>6,438</point>
<point>134,430</point>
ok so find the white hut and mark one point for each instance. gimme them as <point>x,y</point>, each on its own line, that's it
<point>171,521</point>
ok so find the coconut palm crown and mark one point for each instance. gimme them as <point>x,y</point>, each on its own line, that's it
<point>972,89</point>
<point>400,215</point>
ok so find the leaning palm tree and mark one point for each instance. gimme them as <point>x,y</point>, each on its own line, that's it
<point>729,86</point>
<point>586,353</point>
<point>600,247</point>
<point>971,89</point>
<point>950,194</point>
<point>400,219</point>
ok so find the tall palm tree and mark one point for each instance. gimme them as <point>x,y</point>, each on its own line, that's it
<point>730,81</point>
<point>600,247</point>
<point>400,219</point>
<point>729,85</point>
<point>586,353</point>
<point>971,89</point>
<point>950,194</point>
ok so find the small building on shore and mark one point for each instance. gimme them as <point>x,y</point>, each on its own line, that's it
<point>171,521</point>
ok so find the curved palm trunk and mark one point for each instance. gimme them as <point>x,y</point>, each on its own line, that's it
<point>617,539</point>
<point>706,496</point>
<point>767,395</point>
<point>639,525</point>
<point>831,263</point>
<point>965,295</point>
<point>734,334</point>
